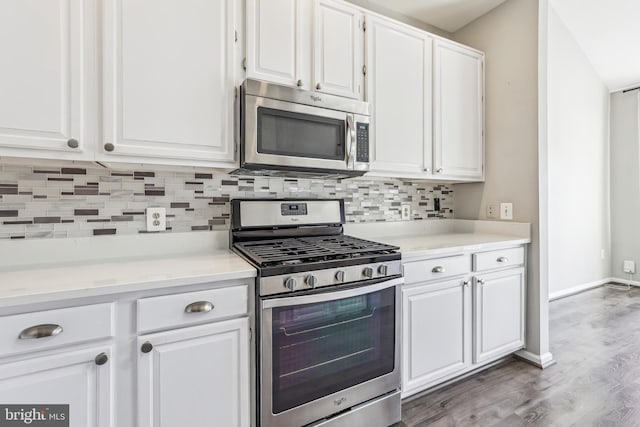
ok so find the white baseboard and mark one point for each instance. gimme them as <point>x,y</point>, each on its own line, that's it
<point>580,288</point>
<point>540,360</point>
<point>586,286</point>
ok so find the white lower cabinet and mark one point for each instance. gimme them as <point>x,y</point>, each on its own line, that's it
<point>450,328</point>
<point>196,376</point>
<point>498,314</point>
<point>436,327</point>
<point>79,378</point>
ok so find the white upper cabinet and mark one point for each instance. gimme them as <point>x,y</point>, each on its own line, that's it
<point>46,77</point>
<point>314,45</point>
<point>275,41</point>
<point>399,93</point>
<point>459,113</point>
<point>169,81</point>
<point>338,49</point>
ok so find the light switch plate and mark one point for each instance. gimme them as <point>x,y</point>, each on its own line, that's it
<point>506,210</point>
<point>156,219</point>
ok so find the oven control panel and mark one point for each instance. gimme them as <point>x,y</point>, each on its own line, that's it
<point>288,209</point>
<point>306,280</point>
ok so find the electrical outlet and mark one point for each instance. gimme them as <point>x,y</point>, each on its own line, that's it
<point>405,212</point>
<point>492,211</point>
<point>629,267</point>
<point>156,219</point>
<point>506,210</point>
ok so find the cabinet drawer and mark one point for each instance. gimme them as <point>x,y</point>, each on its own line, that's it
<point>41,330</point>
<point>497,259</point>
<point>433,269</point>
<point>171,311</point>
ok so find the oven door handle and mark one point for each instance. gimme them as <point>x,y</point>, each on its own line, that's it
<point>330,296</point>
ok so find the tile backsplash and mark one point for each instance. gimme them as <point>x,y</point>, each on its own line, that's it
<point>80,201</point>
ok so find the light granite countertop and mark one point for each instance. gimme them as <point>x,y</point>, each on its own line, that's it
<point>58,269</point>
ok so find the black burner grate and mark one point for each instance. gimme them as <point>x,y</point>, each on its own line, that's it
<point>310,249</point>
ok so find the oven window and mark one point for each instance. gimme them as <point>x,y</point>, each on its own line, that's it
<point>322,348</point>
<point>300,135</point>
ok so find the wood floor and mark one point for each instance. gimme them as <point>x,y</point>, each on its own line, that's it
<point>595,338</point>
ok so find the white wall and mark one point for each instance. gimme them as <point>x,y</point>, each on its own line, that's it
<point>578,165</point>
<point>509,37</point>
<point>625,182</point>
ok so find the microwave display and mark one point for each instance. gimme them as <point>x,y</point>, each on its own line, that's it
<point>287,133</point>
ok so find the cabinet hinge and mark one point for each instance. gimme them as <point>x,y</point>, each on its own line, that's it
<point>364,25</point>
<point>364,70</point>
<point>244,64</point>
<point>235,92</point>
<point>250,334</point>
<point>235,36</point>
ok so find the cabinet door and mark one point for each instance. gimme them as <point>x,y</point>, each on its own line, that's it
<point>46,75</point>
<point>498,314</point>
<point>436,333</point>
<point>338,49</point>
<point>275,41</point>
<point>169,84</point>
<point>67,378</point>
<point>399,92</point>
<point>196,376</point>
<point>459,113</point>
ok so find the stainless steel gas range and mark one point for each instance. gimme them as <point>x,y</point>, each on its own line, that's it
<point>326,316</point>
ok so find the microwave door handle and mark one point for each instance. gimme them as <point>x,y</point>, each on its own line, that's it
<point>351,136</point>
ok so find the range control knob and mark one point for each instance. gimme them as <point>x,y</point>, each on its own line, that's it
<point>311,281</point>
<point>383,269</point>
<point>368,272</point>
<point>290,283</point>
<point>340,276</point>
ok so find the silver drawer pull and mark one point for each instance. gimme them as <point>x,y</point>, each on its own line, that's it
<point>503,259</point>
<point>199,307</point>
<point>40,331</point>
<point>438,269</point>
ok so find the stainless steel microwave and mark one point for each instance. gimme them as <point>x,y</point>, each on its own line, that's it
<point>289,131</point>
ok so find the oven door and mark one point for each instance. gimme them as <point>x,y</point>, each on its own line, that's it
<point>323,353</point>
<point>296,136</point>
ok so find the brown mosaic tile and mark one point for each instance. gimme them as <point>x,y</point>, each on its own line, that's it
<point>104,231</point>
<point>8,213</point>
<point>74,171</point>
<point>46,220</point>
<point>179,204</point>
<point>84,212</point>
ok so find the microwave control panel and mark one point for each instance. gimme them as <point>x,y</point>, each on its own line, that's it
<point>362,142</point>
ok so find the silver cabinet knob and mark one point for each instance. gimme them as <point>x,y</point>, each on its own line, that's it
<point>199,307</point>
<point>290,283</point>
<point>383,269</point>
<point>109,147</point>
<point>299,83</point>
<point>502,259</point>
<point>481,281</point>
<point>439,170</point>
<point>146,347</point>
<point>466,283</point>
<point>368,272</point>
<point>311,281</point>
<point>427,169</point>
<point>340,276</point>
<point>73,143</point>
<point>438,269</point>
<point>318,86</point>
<point>101,359</point>
<point>40,331</point>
